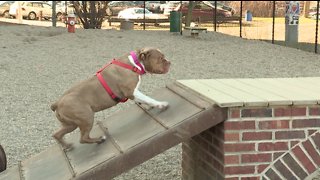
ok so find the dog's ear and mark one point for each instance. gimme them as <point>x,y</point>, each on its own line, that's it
<point>143,53</point>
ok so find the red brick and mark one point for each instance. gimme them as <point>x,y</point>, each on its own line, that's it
<point>306,123</point>
<point>290,111</point>
<point>250,158</point>
<point>239,170</point>
<point>262,167</point>
<point>234,113</point>
<point>314,111</point>
<point>231,178</point>
<point>260,112</point>
<point>282,111</point>
<point>299,111</point>
<point>239,125</point>
<point>231,159</point>
<point>272,175</point>
<point>310,132</point>
<point>293,143</point>
<point>304,160</point>
<point>312,151</point>
<point>217,165</point>
<point>316,140</point>
<point>294,166</point>
<point>277,154</point>
<point>286,173</point>
<point>250,178</point>
<point>252,136</point>
<point>268,146</point>
<point>290,135</point>
<point>239,147</point>
<point>279,124</point>
<point>231,136</point>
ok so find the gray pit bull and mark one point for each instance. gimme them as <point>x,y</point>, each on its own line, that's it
<point>114,83</point>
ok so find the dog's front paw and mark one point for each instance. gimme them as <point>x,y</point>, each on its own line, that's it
<point>162,105</point>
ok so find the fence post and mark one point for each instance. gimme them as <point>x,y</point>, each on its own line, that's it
<point>273,19</point>
<point>215,16</point>
<point>144,15</point>
<point>240,21</point>
<point>54,13</point>
<point>317,23</point>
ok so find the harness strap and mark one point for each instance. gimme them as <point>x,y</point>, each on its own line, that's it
<point>106,86</point>
<point>108,89</point>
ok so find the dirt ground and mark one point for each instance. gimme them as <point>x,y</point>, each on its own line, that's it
<point>38,63</point>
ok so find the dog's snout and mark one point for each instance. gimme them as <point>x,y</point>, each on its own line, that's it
<point>167,61</point>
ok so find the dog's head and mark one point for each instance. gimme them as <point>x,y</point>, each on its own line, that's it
<point>153,60</point>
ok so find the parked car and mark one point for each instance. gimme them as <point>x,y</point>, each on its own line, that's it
<point>138,3</point>
<point>4,8</point>
<point>204,11</point>
<point>138,13</point>
<point>223,6</point>
<point>313,13</point>
<point>154,6</point>
<point>171,6</point>
<point>114,7</point>
<point>33,9</point>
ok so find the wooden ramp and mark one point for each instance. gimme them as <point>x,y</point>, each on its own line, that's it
<point>134,135</point>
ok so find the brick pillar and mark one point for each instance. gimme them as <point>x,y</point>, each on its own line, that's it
<point>256,143</point>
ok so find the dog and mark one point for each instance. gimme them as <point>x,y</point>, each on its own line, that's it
<point>116,82</point>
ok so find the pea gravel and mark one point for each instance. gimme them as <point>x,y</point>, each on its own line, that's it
<point>37,64</point>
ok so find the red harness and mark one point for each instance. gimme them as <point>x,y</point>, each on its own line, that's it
<point>106,86</point>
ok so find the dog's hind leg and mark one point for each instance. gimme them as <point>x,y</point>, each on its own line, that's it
<point>85,129</point>
<point>66,128</point>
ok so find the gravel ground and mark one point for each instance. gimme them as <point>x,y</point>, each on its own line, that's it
<point>38,64</point>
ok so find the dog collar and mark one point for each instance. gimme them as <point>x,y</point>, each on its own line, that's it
<point>136,61</point>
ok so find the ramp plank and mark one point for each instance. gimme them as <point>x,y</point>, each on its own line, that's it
<point>50,165</point>
<point>85,156</point>
<point>170,117</point>
<point>11,174</point>
<point>128,132</point>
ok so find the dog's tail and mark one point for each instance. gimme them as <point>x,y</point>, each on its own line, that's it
<point>54,106</point>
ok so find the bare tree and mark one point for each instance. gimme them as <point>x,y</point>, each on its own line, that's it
<point>192,4</point>
<point>91,13</point>
<point>306,8</point>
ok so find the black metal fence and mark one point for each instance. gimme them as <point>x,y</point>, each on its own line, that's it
<point>263,20</point>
